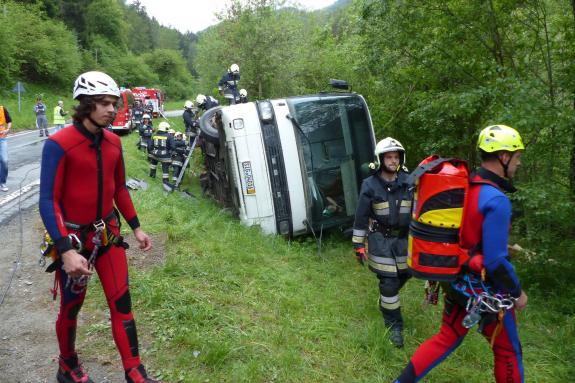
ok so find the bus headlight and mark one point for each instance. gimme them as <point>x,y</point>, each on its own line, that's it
<point>266,111</point>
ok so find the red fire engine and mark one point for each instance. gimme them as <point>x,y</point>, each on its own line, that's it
<point>152,99</point>
<point>123,120</point>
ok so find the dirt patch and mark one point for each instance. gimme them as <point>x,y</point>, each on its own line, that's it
<point>28,346</point>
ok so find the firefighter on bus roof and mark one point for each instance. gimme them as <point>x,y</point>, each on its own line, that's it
<point>383,216</point>
<point>228,84</point>
<point>243,96</point>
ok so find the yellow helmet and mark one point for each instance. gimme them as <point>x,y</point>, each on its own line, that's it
<point>163,127</point>
<point>499,137</point>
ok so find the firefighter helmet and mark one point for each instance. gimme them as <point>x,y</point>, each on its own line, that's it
<point>171,131</point>
<point>95,83</point>
<point>188,104</point>
<point>163,127</point>
<point>387,145</point>
<point>499,137</point>
<point>234,68</point>
<point>201,99</point>
<point>243,93</point>
<point>146,115</point>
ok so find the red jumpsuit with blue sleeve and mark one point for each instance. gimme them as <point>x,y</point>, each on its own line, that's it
<point>486,225</point>
<point>82,179</point>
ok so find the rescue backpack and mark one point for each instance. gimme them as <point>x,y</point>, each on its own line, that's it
<point>434,252</point>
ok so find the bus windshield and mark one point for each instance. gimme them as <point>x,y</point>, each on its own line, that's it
<point>337,143</point>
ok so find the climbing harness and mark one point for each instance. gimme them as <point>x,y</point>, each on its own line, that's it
<point>481,301</point>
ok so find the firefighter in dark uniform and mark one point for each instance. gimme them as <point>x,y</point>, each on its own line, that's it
<point>162,145</point>
<point>206,102</point>
<point>383,215</point>
<point>228,84</point>
<point>179,155</point>
<point>146,131</point>
<point>190,122</point>
<point>138,113</point>
<point>243,96</point>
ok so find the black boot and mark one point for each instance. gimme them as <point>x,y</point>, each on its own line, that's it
<point>70,371</point>
<point>396,337</point>
<point>139,375</point>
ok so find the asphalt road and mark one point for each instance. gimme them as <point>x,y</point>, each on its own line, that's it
<point>24,153</point>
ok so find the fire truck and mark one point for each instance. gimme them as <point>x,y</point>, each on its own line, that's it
<point>123,121</point>
<point>293,165</point>
<point>152,100</point>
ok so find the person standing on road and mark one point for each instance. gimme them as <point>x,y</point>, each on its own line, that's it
<point>5,126</point>
<point>82,188</point>
<point>485,229</point>
<point>41,119</point>
<point>383,215</point>
<point>59,116</point>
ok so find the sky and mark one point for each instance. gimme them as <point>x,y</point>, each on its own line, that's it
<point>196,15</point>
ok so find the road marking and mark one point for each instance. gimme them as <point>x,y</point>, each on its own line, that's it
<point>25,189</point>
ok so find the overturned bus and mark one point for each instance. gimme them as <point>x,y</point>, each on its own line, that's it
<point>291,166</point>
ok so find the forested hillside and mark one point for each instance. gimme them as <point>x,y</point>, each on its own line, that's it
<point>433,73</point>
<point>50,41</point>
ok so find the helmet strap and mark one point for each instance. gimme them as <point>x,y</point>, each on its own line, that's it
<point>505,165</point>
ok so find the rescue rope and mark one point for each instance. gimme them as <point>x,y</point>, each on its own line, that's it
<point>21,236</point>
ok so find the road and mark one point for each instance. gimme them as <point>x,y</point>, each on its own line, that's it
<point>24,152</point>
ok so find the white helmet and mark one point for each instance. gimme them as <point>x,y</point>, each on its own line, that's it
<point>389,144</point>
<point>95,83</point>
<point>163,127</point>
<point>188,104</point>
<point>243,93</point>
<point>146,115</point>
<point>201,99</point>
<point>234,68</point>
<point>171,131</point>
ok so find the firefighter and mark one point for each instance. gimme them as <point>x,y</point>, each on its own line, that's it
<point>383,215</point>
<point>162,145</point>
<point>228,84</point>
<point>179,155</point>
<point>138,112</point>
<point>206,102</point>
<point>190,122</point>
<point>243,96</point>
<point>146,131</point>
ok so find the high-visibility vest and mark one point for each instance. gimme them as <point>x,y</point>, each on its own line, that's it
<point>58,118</point>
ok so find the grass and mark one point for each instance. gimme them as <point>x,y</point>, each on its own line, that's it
<point>230,304</point>
<point>25,118</point>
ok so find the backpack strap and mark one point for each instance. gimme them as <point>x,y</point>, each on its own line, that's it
<point>422,169</point>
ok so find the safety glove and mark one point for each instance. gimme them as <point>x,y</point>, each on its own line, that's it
<point>360,254</point>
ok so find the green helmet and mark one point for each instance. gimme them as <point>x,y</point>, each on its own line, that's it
<point>499,137</point>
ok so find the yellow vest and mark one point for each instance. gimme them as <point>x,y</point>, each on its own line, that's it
<point>58,118</point>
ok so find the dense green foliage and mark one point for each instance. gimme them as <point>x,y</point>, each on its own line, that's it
<point>51,41</point>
